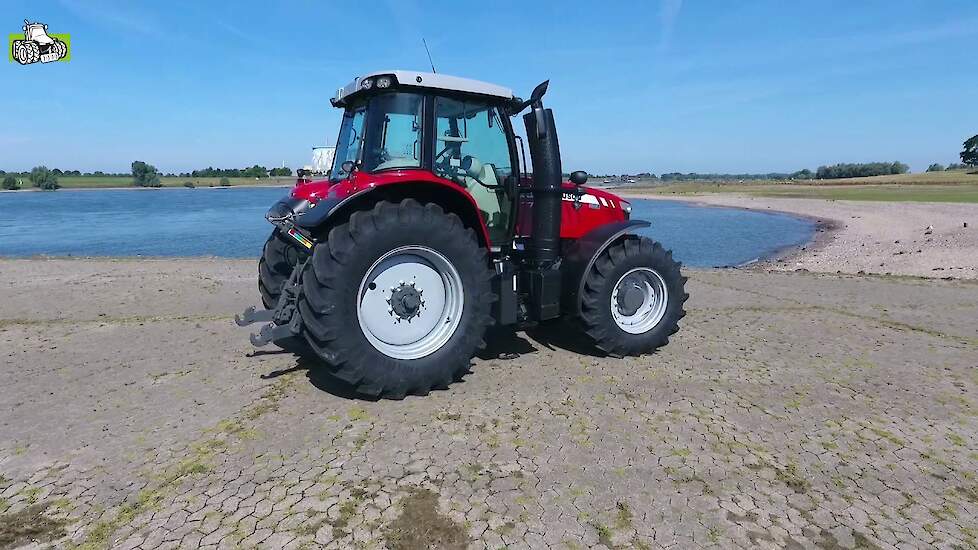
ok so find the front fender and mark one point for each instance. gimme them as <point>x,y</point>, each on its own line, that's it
<point>580,256</point>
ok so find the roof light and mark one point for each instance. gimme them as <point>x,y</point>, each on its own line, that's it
<point>384,82</point>
<point>366,84</point>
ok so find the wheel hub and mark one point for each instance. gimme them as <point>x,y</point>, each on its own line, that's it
<point>415,284</point>
<point>630,296</point>
<point>639,300</point>
<point>406,302</point>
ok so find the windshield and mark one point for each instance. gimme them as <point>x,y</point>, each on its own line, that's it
<point>349,142</point>
<point>382,135</point>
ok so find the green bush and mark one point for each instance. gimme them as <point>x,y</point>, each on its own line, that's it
<point>225,182</point>
<point>44,178</point>
<point>10,184</point>
<point>189,184</point>
<point>145,175</point>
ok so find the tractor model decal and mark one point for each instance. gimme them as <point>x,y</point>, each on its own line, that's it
<point>36,45</point>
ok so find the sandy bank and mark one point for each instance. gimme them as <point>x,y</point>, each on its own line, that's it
<point>899,238</point>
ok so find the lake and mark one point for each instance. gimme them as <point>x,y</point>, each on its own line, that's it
<point>231,223</point>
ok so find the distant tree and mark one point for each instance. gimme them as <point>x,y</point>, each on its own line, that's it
<point>969,155</point>
<point>44,178</point>
<point>283,171</point>
<point>956,166</point>
<point>225,182</point>
<point>255,172</point>
<point>10,183</point>
<point>145,175</point>
<point>846,170</point>
<point>936,167</point>
<point>57,172</point>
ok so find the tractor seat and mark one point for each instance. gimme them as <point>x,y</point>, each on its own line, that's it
<point>488,200</point>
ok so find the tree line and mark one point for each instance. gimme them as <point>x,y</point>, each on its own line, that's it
<point>142,173</point>
<point>255,171</point>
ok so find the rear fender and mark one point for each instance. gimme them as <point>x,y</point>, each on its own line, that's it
<point>580,256</point>
<point>329,212</point>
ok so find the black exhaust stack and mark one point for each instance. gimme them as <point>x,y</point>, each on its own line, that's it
<point>544,280</point>
<point>547,174</point>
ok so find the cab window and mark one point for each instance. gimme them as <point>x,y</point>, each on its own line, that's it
<point>471,149</point>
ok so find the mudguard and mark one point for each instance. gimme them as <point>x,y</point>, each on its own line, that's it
<point>580,255</point>
<point>305,215</point>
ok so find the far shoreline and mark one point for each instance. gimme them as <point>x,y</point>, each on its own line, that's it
<point>919,239</point>
<point>136,188</point>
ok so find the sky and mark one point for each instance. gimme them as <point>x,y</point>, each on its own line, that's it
<point>655,86</point>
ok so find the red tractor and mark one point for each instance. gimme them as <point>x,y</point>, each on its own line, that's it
<point>429,230</point>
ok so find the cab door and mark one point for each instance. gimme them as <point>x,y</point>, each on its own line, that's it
<point>473,149</point>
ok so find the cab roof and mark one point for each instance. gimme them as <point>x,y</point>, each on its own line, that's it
<point>435,81</point>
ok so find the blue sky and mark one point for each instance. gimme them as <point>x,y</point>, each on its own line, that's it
<point>636,86</point>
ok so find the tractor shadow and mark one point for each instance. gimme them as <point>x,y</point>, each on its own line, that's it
<point>501,344</point>
<point>507,343</point>
<point>320,378</point>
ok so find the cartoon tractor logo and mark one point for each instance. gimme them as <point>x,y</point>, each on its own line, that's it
<point>37,45</point>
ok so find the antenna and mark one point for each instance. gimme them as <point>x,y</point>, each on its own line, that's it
<point>432,63</point>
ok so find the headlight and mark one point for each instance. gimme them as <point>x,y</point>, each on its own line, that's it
<point>627,208</point>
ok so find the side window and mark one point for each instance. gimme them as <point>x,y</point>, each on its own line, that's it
<point>467,129</point>
<point>394,139</point>
<point>471,149</point>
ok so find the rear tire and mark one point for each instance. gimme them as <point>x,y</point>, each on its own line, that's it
<point>33,54</point>
<point>359,340</point>
<point>279,257</point>
<point>641,322</point>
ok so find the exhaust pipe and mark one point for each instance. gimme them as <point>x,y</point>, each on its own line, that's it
<point>547,173</point>
<point>542,279</point>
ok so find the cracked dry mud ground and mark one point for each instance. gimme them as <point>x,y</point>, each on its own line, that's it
<point>792,410</point>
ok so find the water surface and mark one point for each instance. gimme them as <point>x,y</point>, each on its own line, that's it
<point>230,223</point>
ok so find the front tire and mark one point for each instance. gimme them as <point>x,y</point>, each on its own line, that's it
<point>633,297</point>
<point>396,300</point>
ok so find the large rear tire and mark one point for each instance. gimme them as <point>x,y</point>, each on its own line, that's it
<point>33,52</point>
<point>633,297</point>
<point>279,257</point>
<point>396,300</point>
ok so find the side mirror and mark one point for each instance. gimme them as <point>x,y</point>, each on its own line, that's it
<point>348,166</point>
<point>579,177</point>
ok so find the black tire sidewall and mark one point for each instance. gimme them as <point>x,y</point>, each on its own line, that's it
<point>660,260</point>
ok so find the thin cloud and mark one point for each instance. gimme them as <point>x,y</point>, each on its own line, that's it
<point>668,16</point>
<point>116,16</point>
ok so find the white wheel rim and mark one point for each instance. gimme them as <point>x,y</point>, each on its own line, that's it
<point>430,287</point>
<point>655,300</point>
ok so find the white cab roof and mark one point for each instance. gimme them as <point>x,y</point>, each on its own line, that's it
<point>432,80</point>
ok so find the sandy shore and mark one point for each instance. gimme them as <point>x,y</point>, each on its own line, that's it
<point>793,410</point>
<point>898,238</point>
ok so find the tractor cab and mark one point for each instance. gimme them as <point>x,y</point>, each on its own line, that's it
<point>455,128</point>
